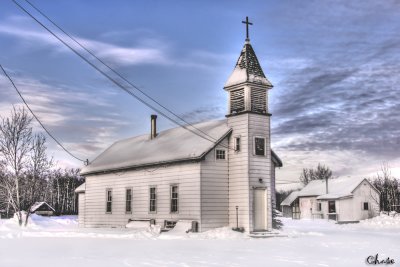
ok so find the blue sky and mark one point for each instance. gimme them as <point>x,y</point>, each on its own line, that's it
<point>334,65</point>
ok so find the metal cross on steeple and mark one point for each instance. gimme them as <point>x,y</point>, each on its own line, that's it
<point>247,27</point>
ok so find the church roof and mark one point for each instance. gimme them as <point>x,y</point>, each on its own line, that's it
<point>173,145</point>
<point>247,69</point>
<point>170,146</point>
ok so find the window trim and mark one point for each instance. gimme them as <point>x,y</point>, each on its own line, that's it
<point>155,199</point>
<point>235,143</point>
<point>107,201</point>
<point>363,206</point>
<point>126,200</point>
<point>254,145</point>
<point>170,199</point>
<point>216,152</point>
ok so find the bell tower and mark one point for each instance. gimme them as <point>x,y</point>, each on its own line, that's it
<point>247,85</point>
<point>250,160</point>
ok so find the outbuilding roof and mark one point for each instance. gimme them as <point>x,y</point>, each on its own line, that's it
<point>37,205</point>
<point>81,188</point>
<point>337,188</point>
<point>290,198</point>
<point>169,146</point>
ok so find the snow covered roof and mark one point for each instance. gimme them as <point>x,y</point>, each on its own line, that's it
<point>337,188</point>
<point>247,69</point>
<point>37,205</point>
<point>81,188</point>
<point>290,198</point>
<point>277,161</point>
<point>169,146</point>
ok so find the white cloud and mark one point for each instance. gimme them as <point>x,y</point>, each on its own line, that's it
<point>113,53</point>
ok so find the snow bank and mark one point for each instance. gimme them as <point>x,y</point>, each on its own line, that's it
<point>180,230</point>
<point>144,226</point>
<point>220,233</point>
<point>382,221</point>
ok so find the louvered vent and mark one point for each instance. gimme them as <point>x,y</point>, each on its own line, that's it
<point>258,100</point>
<point>237,101</point>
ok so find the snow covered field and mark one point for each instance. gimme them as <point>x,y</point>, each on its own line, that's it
<point>57,241</point>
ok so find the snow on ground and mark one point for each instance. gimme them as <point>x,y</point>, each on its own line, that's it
<point>57,241</point>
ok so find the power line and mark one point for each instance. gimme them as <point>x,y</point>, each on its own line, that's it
<point>117,73</point>
<point>115,81</point>
<point>37,119</point>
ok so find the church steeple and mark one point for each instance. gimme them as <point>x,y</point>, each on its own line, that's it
<point>247,85</point>
<point>247,69</point>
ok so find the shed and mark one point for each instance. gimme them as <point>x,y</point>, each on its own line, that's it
<point>290,206</point>
<point>42,208</point>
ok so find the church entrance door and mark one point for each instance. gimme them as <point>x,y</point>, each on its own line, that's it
<point>260,209</point>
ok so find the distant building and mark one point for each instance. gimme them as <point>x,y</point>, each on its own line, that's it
<point>344,200</point>
<point>42,208</point>
<point>227,180</point>
<point>290,206</point>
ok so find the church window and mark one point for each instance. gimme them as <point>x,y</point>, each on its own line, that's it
<point>365,206</point>
<point>220,154</point>
<point>153,199</point>
<point>108,200</point>
<point>237,101</point>
<point>237,143</point>
<point>258,100</point>
<point>259,146</point>
<point>128,200</point>
<point>174,198</point>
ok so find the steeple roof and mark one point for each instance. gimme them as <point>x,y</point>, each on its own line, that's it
<point>247,69</point>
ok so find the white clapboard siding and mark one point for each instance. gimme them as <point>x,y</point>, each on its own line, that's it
<point>260,166</point>
<point>214,190</point>
<point>239,172</point>
<point>81,209</point>
<point>185,175</point>
<point>245,168</point>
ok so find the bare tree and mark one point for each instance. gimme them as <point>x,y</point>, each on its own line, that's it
<point>389,188</point>
<point>15,145</point>
<point>38,166</point>
<point>322,172</point>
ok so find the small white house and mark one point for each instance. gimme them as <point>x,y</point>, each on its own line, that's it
<point>343,200</point>
<point>224,178</point>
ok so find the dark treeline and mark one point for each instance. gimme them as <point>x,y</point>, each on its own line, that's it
<point>56,187</point>
<point>28,174</point>
<point>389,188</point>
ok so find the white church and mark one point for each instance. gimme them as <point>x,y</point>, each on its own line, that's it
<point>224,178</point>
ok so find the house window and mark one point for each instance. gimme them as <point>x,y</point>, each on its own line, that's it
<point>153,199</point>
<point>319,206</point>
<point>108,200</point>
<point>174,198</point>
<point>220,154</point>
<point>259,146</point>
<point>237,144</point>
<point>128,200</point>
<point>365,206</point>
<point>331,207</point>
